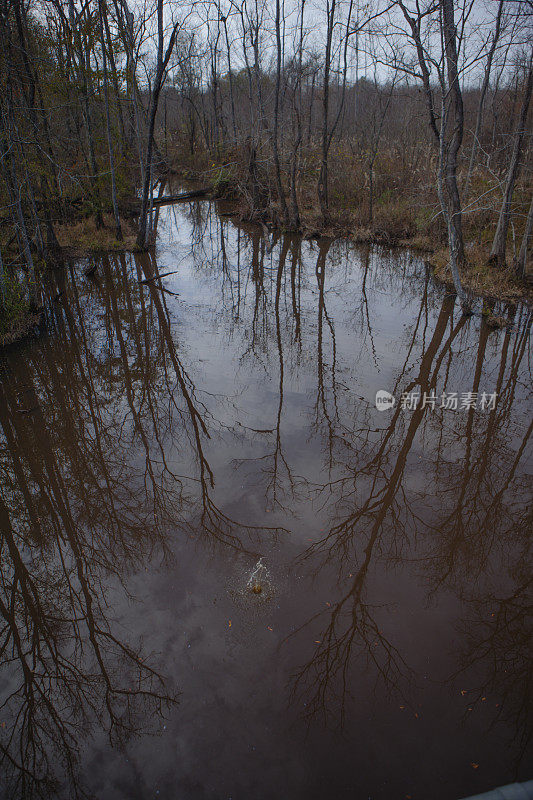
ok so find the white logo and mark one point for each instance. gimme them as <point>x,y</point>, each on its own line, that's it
<point>384,400</point>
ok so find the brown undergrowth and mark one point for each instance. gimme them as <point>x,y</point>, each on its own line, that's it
<point>405,211</point>
<point>83,236</point>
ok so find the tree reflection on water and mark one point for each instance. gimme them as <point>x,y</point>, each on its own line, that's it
<point>108,441</point>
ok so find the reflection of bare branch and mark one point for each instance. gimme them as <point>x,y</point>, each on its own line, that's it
<point>321,405</point>
<point>383,484</point>
<point>351,633</point>
<point>352,629</point>
<point>477,509</point>
<point>90,493</point>
<point>74,671</point>
<point>496,656</point>
<point>213,521</point>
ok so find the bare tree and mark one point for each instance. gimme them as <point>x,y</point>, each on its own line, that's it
<point>483,92</point>
<point>499,244</point>
<point>450,134</point>
<point>524,247</point>
<point>102,12</point>
<point>164,52</point>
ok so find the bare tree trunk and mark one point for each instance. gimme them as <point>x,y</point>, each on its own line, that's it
<point>18,217</point>
<point>275,148</point>
<point>454,245</point>
<point>116,214</point>
<point>2,278</point>
<point>414,24</point>
<point>450,45</point>
<point>230,76</point>
<point>297,112</point>
<point>374,152</point>
<point>484,87</point>
<point>218,125</point>
<point>83,74</point>
<point>31,102</point>
<point>163,57</point>
<point>311,104</point>
<point>497,253</point>
<point>323,176</point>
<point>522,255</point>
<point>143,234</point>
<point>114,78</point>
<point>447,189</point>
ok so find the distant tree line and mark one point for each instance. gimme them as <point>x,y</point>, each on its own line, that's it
<point>393,115</point>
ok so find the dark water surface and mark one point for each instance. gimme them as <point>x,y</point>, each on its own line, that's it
<point>167,434</point>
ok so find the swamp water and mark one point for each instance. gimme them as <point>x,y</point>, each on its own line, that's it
<point>224,572</point>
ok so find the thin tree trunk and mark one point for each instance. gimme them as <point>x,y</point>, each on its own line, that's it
<point>230,76</point>
<point>297,108</point>
<point>162,62</point>
<point>522,255</point>
<point>484,87</point>
<point>2,278</point>
<point>19,221</point>
<point>323,198</point>
<point>497,253</point>
<point>83,70</point>
<point>311,103</point>
<point>454,245</point>
<point>116,213</point>
<point>450,44</point>
<point>275,148</point>
<point>114,78</point>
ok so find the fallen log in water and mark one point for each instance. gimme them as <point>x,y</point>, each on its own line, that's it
<point>159,275</point>
<point>179,198</point>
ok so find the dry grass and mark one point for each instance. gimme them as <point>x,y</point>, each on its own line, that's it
<point>19,329</point>
<point>405,206</point>
<point>83,236</point>
<point>480,277</point>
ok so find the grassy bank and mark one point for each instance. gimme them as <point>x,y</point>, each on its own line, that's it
<point>398,214</point>
<point>77,237</point>
<point>397,207</point>
<point>16,318</point>
<point>84,236</point>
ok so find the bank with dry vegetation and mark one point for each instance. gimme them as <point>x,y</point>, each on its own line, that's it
<point>405,211</point>
<point>393,124</point>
